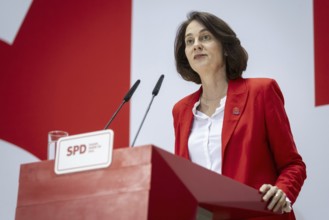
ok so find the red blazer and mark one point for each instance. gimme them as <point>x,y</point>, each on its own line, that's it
<point>257,143</point>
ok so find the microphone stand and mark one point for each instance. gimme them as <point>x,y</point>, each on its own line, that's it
<point>154,93</point>
<point>140,126</point>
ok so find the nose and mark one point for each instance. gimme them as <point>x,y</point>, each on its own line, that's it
<point>197,45</point>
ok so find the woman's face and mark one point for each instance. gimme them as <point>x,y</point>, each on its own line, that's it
<point>203,51</point>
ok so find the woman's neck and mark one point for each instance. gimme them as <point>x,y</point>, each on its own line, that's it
<point>213,90</point>
<point>214,86</point>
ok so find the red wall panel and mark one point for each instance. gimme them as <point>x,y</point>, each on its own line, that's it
<point>321,51</point>
<point>69,68</point>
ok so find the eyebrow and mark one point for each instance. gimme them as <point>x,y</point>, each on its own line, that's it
<point>190,34</point>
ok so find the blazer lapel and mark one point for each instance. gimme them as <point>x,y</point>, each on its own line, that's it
<point>235,102</point>
<point>186,121</point>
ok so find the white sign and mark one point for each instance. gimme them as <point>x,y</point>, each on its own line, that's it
<point>84,152</point>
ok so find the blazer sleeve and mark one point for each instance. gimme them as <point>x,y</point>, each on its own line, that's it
<point>290,166</point>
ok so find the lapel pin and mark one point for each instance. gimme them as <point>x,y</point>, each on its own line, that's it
<point>236,111</point>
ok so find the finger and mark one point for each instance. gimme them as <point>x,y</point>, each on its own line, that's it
<point>274,199</point>
<point>280,204</point>
<point>270,193</point>
<point>264,188</point>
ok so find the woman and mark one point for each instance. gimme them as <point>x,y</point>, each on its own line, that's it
<point>234,126</point>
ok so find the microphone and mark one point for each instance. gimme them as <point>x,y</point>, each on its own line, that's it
<point>154,93</point>
<point>157,86</point>
<point>125,99</point>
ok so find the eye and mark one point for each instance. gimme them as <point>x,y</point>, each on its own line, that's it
<point>189,41</point>
<point>205,37</point>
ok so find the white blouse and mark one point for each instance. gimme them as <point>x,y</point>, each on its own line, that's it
<point>205,140</point>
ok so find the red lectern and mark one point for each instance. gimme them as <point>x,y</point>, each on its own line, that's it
<point>141,183</point>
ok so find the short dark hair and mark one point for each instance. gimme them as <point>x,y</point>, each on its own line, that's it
<point>236,55</point>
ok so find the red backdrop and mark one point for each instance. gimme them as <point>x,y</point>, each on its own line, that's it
<point>321,51</point>
<point>68,69</point>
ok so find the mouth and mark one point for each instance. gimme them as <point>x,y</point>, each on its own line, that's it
<point>199,56</point>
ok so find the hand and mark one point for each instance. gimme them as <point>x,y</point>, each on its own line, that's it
<point>277,198</point>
